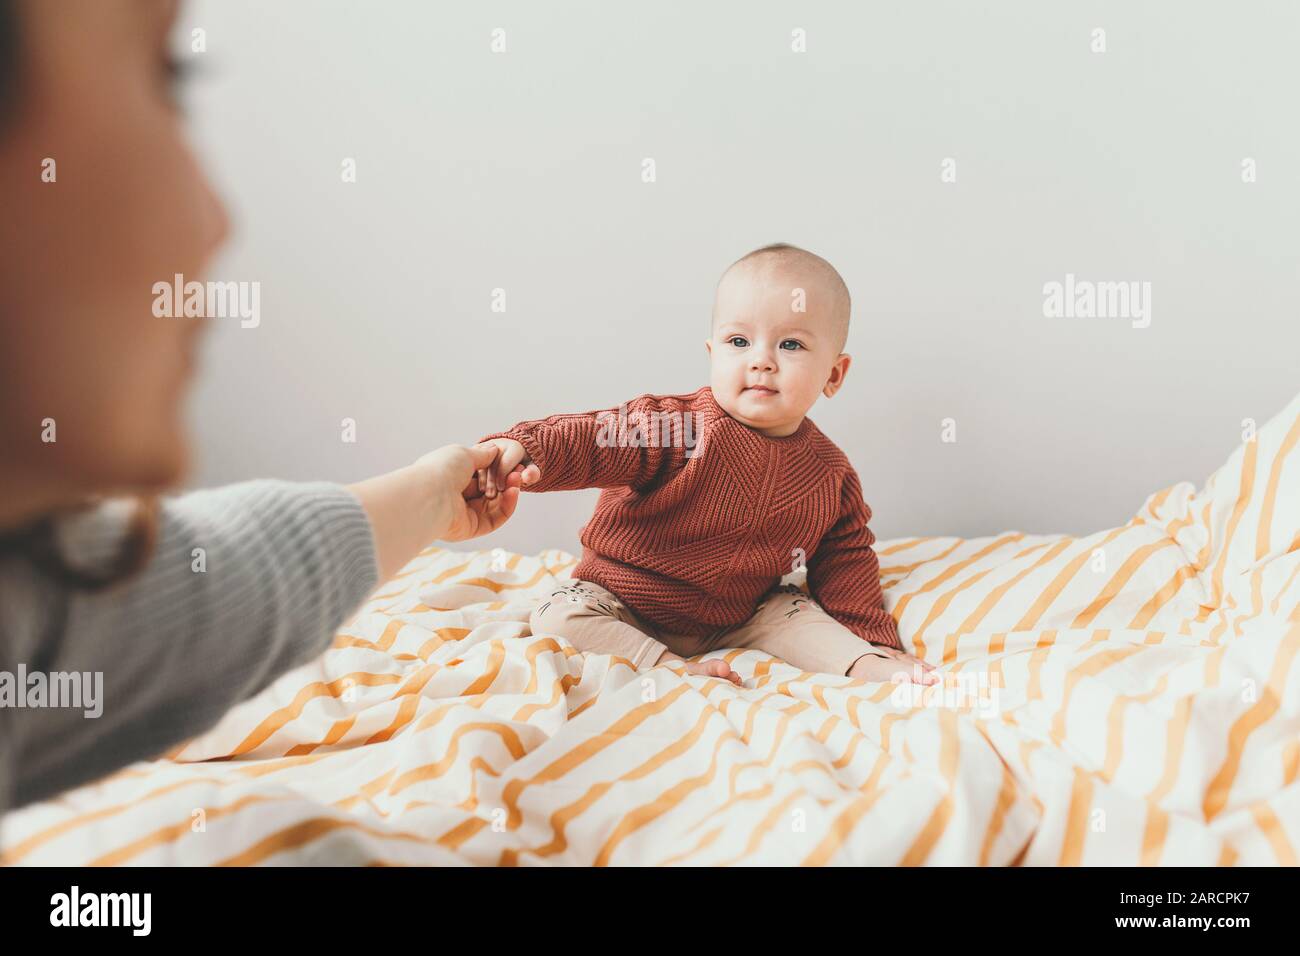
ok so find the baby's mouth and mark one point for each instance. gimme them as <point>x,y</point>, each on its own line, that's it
<point>760,390</point>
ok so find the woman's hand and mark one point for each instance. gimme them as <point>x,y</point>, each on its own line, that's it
<point>455,472</point>
<point>437,498</point>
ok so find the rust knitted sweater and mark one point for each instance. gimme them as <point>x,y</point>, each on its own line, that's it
<point>701,515</point>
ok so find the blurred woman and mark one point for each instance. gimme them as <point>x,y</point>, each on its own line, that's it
<point>183,605</point>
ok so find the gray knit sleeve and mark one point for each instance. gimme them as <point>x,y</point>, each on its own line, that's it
<point>245,582</point>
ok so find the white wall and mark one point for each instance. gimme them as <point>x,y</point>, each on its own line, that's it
<point>522,170</point>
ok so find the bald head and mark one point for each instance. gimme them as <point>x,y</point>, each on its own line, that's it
<point>825,296</point>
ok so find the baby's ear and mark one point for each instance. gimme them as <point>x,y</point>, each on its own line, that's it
<point>841,366</point>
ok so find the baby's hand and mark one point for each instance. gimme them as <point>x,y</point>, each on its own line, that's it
<point>511,457</point>
<point>881,663</point>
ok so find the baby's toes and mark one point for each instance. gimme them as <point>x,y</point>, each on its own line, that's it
<point>715,668</point>
<point>724,671</point>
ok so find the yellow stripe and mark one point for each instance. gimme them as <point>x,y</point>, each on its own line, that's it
<point>1275,833</point>
<point>307,831</point>
<point>1158,500</point>
<point>1058,584</point>
<point>995,596</point>
<point>23,848</point>
<point>624,725</point>
<point>1175,734</point>
<point>932,832</point>
<point>177,831</point>
<point>1091,667</point>
<point>1161,597</point>
<point>1216,795</point>
<point>509,739</point>
<point>1244,492</point>
<point>1287,586</point>
<point>840,828</point>
<point>1115,725</point>
<point>282,716</point>
<point>1154,835</point>
<point>1076,829</point>
<point>703,843</point>
<point>902,546</point>
<point>1270,492</point>
<point>952,571</point>
<point>946,599</point>
<point>1006,800</point>
<point>906,569</point>
<point>764,827</point>
<point>1117,582</point>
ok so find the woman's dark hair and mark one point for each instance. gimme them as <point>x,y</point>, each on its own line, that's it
<point>38,543</point>
<point>8,54</point>
<point>38,540</point>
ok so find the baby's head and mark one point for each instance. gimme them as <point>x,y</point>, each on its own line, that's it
<point>780,320</point>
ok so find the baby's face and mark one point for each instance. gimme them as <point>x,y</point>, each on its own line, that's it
<point>769,361</point>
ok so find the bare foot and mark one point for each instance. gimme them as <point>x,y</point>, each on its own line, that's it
<point>874,667</point>
<point>713,668</point>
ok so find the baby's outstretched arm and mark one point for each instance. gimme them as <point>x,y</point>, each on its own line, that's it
<point>595,449</point>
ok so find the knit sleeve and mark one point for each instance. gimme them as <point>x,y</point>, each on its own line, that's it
<point>244,583</point>
<point>638,444</point>
<point>844,573</point>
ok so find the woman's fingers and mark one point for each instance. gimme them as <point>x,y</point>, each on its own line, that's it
<point>510,456</point>
<point>481,458</point>
<point>492,513</point>
<point>488,482</point>
<point>509,500</point>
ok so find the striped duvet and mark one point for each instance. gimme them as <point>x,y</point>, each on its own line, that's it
<point>1128,697</point>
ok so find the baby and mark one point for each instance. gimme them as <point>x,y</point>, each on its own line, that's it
<point>710,498</point>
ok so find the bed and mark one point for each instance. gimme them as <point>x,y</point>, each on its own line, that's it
<point>1128,697</point>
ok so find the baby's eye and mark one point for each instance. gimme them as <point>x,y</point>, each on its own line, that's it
<point>795,342</point>
<point>738,338</point>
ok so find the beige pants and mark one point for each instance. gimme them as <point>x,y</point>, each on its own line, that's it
<point>787,624</point>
